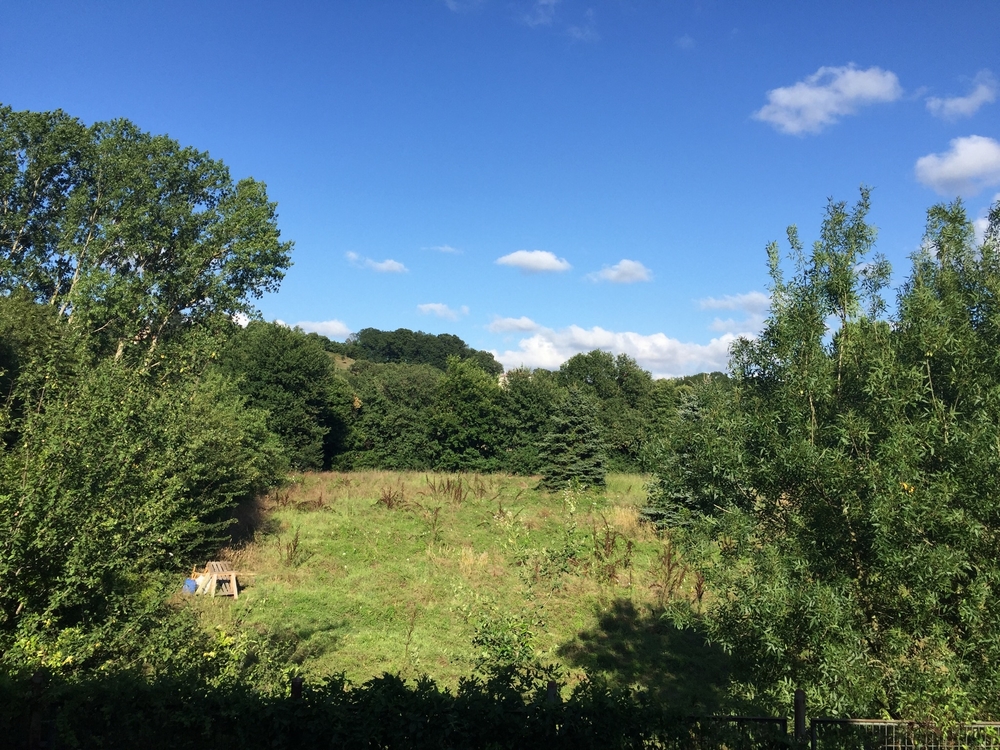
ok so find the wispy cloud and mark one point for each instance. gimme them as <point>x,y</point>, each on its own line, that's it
<point>623,272</point>
<point>753,305</point>
<point>534,261</point>
<point>443,249</point>
<point>586,31</point>
<point>984,91</point>
<point>510,325</point>
<point>970,165</point>
<point>541,13</point>
<point>381,266</point>
<point>656,352</point>
<point>442,310</point>
<point>684,42</point>
<point>827,95</point>
<point>332,329</point>
<point>461,6</point>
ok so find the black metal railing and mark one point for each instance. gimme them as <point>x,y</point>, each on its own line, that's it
<point>877,734</point>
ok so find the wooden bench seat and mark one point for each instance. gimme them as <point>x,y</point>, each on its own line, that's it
<point>218,572</point>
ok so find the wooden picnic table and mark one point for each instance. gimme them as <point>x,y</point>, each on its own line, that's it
<point>216,572</point>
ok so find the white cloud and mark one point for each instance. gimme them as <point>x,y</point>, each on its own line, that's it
<point>332,329</point>
<point>443,249</point>
<point>684,42</point>
<point>752,302</point>
<point>241,319</point>
<point>386,266</point>
<point>508,325</point>
<point>970,165</point>
<point>623,272</point>
<point>442,310</point>
<point>754,305</point>
<point>822,98</point>
<point>982,222</point>
<point>586,31</point>
<point>952,108</point>
<point>534,261</point>
<point>542,13</point>
<point>381,266</point>
<point>657,352</point>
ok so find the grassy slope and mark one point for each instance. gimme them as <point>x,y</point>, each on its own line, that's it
<point>364,588</point>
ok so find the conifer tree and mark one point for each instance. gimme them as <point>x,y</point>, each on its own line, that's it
<point>571,452</point>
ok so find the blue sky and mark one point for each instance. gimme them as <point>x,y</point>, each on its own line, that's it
<point>543,177</point>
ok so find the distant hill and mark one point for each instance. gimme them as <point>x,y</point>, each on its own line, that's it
<point>409,347</point>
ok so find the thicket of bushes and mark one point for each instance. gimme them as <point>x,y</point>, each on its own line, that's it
<point>511,709</point>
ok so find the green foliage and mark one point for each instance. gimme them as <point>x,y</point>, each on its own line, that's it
<point>123,257</point>
<point>623,393</point>
<point>842,496</point>
<point>131,235</point>
<point>389,422</point>
<point>117,476</point>
<point>288,374</point>
<point>504,640</point>
<point>512,709</point>
<point>531,397</point>
<point>413,347</point>
<point>468,419</point>
<point>571,452</point>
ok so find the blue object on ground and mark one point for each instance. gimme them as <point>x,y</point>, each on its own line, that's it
<point>190,586</point>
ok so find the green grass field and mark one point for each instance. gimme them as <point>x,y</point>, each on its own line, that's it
<point>417,573</point>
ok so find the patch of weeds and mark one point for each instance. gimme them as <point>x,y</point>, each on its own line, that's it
<point>392,498</point>
<point>432,517</point>
<point>411,658</point>
<point>293,554</point>
<point>550,564</point>
<point>612,553</point>
<point>452,489</point>
<point>699,589</point>
<point>668,573</point>
<point>506,516</point>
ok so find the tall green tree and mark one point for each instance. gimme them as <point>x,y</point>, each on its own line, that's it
<point>626,407</point>
<point>131,236</point>
<point>389,424</point>
<point>571,453</point>
<point>469,421</point>
<point>842,496</point>
<point>288,374</point>
<point>531,398</point>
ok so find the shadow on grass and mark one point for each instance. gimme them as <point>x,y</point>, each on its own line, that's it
<point>631,647</point>
<point>250,518</point>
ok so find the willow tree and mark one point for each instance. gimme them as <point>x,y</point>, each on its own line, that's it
<point>843,498</point>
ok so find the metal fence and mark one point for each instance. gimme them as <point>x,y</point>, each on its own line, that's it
<point>874,734</point>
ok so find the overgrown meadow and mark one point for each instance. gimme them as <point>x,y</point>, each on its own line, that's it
<point>448,575</point>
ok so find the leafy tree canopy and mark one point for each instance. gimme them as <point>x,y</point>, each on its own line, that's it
<point>130,235</point>
<point>413,347</point>
<point>843,495</point>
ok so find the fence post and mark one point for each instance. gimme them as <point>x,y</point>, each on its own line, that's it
<point>37,715</point>
<point>800,715</point>
<point>297,688</point>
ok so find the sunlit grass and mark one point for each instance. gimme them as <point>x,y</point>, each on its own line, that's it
<point>369,572</point>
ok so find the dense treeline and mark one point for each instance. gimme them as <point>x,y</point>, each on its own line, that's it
<point>420,411</point>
